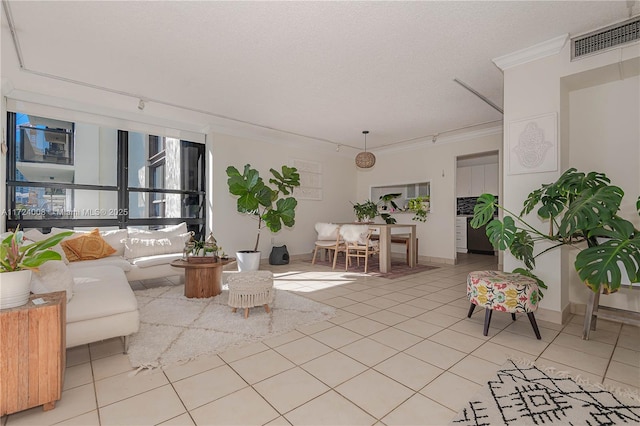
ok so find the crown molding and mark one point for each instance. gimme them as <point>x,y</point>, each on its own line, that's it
<point>442,139</point>
<point>532,53</point>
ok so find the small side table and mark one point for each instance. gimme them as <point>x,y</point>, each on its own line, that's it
<point>201,279</point>
<point>33,353</point>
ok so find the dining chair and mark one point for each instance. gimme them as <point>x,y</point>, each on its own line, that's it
<point>329,240</point>
<point>358,244</point>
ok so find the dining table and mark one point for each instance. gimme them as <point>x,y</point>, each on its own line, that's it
<point>384,230</point>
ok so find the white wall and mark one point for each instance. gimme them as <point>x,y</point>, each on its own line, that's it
<point>429,162</point>
<point>544,86</point>
<point>605,137</point>
<point>235,231</point>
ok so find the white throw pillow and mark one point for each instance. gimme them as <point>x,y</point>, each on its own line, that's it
<point>52,276</point>
<point>327,231</point>
<point>167,232</point>
<point>141,246</point>
<point>34,235</point>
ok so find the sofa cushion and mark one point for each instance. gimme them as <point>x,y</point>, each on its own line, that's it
<point>100,292</point>
<point>86,247</point>
<point>142,246</point>
<point>158,259</point>
<point>105,261</point>
<point>51,276</point>
<point>167,232</point>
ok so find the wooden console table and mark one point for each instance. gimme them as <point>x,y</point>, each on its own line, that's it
<point>201,279</point>
<point>32,353</point>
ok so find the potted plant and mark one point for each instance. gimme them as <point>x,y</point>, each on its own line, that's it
<point>366,211</point>
<point>17,260</point>
<point>579,208</point>
<point>420,207</point>
<point>272,207</point>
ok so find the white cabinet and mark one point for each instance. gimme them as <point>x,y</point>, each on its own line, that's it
<point>491,179</point>
<point>461,234</point>
<point>477,180</point>
<point>473,181</point>
<point>463,182</point>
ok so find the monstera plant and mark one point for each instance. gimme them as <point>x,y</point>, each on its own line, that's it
<point>262,202</point>
<point>579,208</point>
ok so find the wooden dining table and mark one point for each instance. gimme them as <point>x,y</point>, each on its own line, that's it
<point>384,229</point>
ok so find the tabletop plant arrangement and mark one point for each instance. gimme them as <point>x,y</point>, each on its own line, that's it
<point>579,208</point>
<point>18,258</point>
<point>272,207</point>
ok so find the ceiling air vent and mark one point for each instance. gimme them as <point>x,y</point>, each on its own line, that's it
<point>606,38</point>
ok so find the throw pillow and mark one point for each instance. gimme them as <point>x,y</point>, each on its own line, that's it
<point>140,246</point>
<point>85,247</point>
<point>166,232</point>
<point>52,276</point>
<point>114,237</point>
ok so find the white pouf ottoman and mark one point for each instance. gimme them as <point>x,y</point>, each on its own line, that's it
<point>250,288</point>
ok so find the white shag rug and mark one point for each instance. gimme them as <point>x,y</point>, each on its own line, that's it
<point>175,329</point>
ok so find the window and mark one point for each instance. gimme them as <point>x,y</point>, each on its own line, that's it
<point>68,174</point>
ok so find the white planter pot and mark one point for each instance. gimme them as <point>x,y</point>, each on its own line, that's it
<point>14,288</point>
<point>248,260</point>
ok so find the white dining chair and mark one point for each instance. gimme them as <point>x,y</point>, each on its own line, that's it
<point>358,244</point>
<point>329,240</point>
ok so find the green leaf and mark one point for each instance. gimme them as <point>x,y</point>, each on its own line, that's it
<point>501,233</point>
<point>522,248</point>
<point>599,266</point>
<point>30,249</point>
<point>287,180</point>
<point>40,258</point>
<point>590,209</point>
<point>284,213</point>
<point>552,206</point>
<point>388,218</point>
<point>483,211</point>
<point>531,201</point>
<point>638,205</point>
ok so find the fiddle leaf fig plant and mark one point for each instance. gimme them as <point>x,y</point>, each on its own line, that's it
<point>579,207</point>
<point>271,207</point>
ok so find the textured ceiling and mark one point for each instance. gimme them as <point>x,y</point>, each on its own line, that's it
<point>327,70</point>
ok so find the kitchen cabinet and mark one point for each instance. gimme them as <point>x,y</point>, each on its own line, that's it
<point>463,182</point>
<point>461,234</point>
<point>491,179</point>
<point>473,181</point>
<point>477,180</point>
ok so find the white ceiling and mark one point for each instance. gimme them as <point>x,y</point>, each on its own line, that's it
<point>327,70</point>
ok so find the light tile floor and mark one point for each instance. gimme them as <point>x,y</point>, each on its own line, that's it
<point>398,352</point>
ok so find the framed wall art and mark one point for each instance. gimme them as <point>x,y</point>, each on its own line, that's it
<point>533,144</point>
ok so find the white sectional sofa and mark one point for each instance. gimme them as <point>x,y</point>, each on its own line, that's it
<point>102,306</point>
<point>100,301</point>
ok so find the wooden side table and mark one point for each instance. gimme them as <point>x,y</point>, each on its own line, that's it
<point>32,353</point>
<point>201,279</point>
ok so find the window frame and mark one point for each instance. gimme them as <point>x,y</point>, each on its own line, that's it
<point>122,219</point>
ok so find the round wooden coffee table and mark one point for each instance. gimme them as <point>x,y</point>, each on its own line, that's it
<point>201,279</point>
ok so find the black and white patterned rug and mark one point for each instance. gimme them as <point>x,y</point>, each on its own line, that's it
<point>527,395</point>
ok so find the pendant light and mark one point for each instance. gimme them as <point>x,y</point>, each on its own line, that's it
<point>365,160</point>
